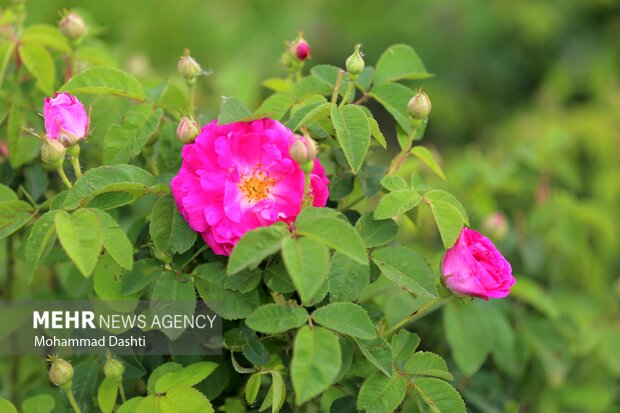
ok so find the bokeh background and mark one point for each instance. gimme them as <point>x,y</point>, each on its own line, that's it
<point>526,116</point>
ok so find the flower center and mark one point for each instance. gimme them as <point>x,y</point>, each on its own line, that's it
<point>255,187</point>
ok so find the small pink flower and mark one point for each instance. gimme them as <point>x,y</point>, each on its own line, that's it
<point>302,49</point>
<point>65,118</point>
<point>240,176</point>
<point>474,267</point>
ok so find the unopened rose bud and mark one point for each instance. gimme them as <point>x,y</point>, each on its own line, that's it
<point>113,368</point>
<point>355,63</point>
<point>419,107</point>
<point>61,372</point>
<point>496,225</point>
<point>188,67</point>
<point>65,118</point>
<point>188,130</point>
<point>303,152</point>
<point>53,153</point>
<point>72,26</point>
<point>302,49</point>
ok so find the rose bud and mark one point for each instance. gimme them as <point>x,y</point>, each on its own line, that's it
<point>65,119</point>
<point>53,153</point>
<point>303,152</point>
<point>496,224</point>
<point>61,372</point>
<point>355,63</point>
<point>474,267</point>
<point>419,107</point>
<point>302,49</point>
<point>188,67</point>
<point>188,130</point>
<point>113,368</point>
<point>72,26</point>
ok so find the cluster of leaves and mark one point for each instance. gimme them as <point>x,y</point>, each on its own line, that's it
<point>303,326</point>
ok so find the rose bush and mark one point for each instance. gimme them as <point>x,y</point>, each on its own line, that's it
<point>298,217</point>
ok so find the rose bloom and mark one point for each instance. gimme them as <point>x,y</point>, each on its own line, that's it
<point>474,267</point>
<point>65,118</point>
<point>240,176</point>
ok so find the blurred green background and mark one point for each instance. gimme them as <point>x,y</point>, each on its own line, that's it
<point>526,115</point>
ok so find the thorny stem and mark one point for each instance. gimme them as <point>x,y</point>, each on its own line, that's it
<point>64,178</point>
<point>426,308</point>
<point>337,86</point>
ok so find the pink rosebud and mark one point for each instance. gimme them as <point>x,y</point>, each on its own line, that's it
<point>65,119</point>
<point>72,26</point>
<point>496,225</point>
<point>474,267</point>
<point>302,49</point>
<point>188,130</point>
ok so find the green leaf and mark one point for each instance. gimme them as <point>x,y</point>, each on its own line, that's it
<point>7,194</point>
<point>40,242</point>
<point>230,305</point>
<point>441,195</point>
<point>278,391</point>
<point>185,400</point>
<point>39,62</point>
<point>6,406</point>
<point>427,364</point>
<point>316,112</point>
<point>150,404</point>
<point>316,362</point>
<point>143,273</point>
<point>309,86</point>
<point>352,132</point>
<point>276,318</point>
<point>244,281</point>
<point>106,395</point>
<point>449,222</point>
<point>381,394</point>
<point>404,344</point>
<point>126,140</point>
<point>168,230</point>
<point>80,236</point>
<point>105,81</point>
<point>278,84</point>
<point>440,396</point>
<point>427,157</point>
<point>174,294</point>
<point>394,183</point>
<point>307,263</point>
<point>378,352</point>
<point>376,133</point>
<point>346,318</point>
<point>252,387</point>
<point>233,110</point>
<point>468,335</point>
<point>347,278</point>
<point>255,246</point>
<point>188,376</point>
<point>276,105</point>
<point>396,203</point>
<point>115,240</point>
<point>131,405</point>
<point>406,268</point>
<point>277,279</point>
<point>13,216</point>
<point>42,403</point>
<point>107,285</point>
<point>394,98</point>
<point>105,179</point>
<point>160,371</point>
<point>532,293</point>
<point>400,62</point>
<point>22,148</point>
<point>299,112</point>
<point>376,232</point>
<point>326,226</point>
<point>328,75</point>
<point>45,35</point>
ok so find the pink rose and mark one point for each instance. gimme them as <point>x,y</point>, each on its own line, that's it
<point>474,267</point>
<point>302,49</point>
<point>65,119</point>
<point>240,176</point>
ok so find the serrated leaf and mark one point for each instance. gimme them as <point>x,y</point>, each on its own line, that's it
<point>406,268</point>
<point>278,84</point>
<point>39,62</point>
<point>255,246</point>
<point>352,132</point>
<point>449,222</point>
<point>115,240</point>
<point>276,105</point>
<point>382,394</point>
<point>317,112</point>
<point>185,400</point>
<point>13,216</point>
<point>307,263</point>
<point>429,160</point>
<point>105,81</point>
<point>378,352</point>
<point>131,405</point>
<point>168,230</point>
<point>346,318</point>
<point>400,62</point>
<point>45,35</point>
<point>440,396</point>
<point>22,148</point>
<point>126,140</point>
<point>252,387</point>
<point>394,98</point>
<point>105,179</point>
<point>427,364</point>
<point>80,237</point>
<point>327,227</point>
<point>276,318</point>
<point>376,232</point>
<point>394,183</point>
<point>173,294</point>
<point>143,273</point>
<point>41,403</point>
<point>233,110</point>
<point>187,376</point>
<point>396,203</point>
<point>278,391</point>
<point>106,395</point>
<point>441,195</point>
<point>376,133</point>
<point>316,362</point>
<point>7,194</point>
<point>347,278</point>
<point>160,371</point>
